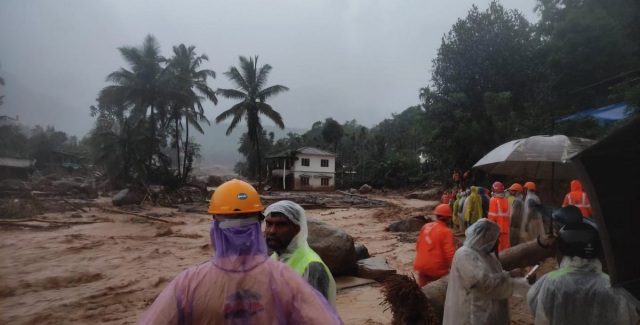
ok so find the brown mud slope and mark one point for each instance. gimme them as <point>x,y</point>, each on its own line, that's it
<point>109,271</point>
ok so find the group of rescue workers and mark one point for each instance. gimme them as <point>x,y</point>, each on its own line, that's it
<point>242,284</point>
<point>578,292</point>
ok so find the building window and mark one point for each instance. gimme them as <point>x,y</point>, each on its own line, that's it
<point>324,163</point>
<point>324,181</point>
<point>304,181</point>
<point>305,161</point>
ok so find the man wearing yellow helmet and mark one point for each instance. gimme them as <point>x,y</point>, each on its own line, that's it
<point>240,284</point>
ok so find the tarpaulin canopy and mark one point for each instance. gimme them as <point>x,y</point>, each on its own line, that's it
<point>604,115</point>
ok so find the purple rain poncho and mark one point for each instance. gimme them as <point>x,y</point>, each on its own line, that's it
<point>240,285</point>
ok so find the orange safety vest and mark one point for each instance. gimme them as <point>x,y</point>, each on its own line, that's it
<point>580,200</point>
<point>499,213</point>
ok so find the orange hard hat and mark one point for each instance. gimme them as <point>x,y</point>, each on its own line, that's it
<point>530,186</point>
<point>498,187</point>
<point>235,197</point>
<point>517,187</point>
<point>443,210</point>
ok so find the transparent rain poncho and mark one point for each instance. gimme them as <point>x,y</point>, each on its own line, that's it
<point>239,285</point>
<point>478,287</point>
<point>298,253</point>
<point>516,210</point>
<point>532,224</point>
<point>579,293</point>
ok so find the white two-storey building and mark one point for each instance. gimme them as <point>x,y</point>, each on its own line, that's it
<point>303,169</point>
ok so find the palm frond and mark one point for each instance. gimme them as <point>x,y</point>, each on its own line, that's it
<point>267,110</point>
<point>236,119</point>
<point>263,74</point>
<point>231,94</point>
<point>237,109</point>
<point>235,77</point>
<point>208,93</point>
<point>248,67</point>
<point>131,55</point>
<point>122,76</point>
<point>271,91</point>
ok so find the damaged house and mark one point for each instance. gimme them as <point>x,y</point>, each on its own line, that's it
<point>16,168</point>
<point>303,169</point>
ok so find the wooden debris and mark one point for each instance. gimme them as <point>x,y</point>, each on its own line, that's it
<point>407,302</point>
<point>137,215</point>
<point>74,206</point>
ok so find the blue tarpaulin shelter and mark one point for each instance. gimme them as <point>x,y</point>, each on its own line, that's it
<point>604,115</point>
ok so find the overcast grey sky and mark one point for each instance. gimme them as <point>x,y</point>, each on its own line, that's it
<point>360,59</point>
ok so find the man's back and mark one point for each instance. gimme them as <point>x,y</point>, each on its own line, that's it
<point>271,293</point>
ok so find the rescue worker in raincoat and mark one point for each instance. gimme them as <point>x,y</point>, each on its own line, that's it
<point>499,213</point>
<point>578,198</point>
<point>456,178</point>
<point>532,223</point>
<point>286,233</point>
<point>516,209</point>
<point>457,218</point>
<point>240,284</point>
<point>485,195</point>
<point>472,208</point>
<point>579,292</point>
<point>478,289</point>
<point>435,248</point>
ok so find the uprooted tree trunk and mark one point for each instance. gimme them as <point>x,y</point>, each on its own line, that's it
<point>519,256</point>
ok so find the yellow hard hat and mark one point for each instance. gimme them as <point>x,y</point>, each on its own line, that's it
<point>235,197</point>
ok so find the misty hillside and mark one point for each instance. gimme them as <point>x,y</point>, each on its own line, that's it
<point>37,107</point>
<point>219,149</point>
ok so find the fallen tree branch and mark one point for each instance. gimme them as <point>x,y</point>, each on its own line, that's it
<point>519,256</point>
<point>136,214</point>
<point>74,206</point>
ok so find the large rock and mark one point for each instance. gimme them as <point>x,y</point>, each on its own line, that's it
<point>375,268</point>
<point>127,197</point>
<point>335,247</point>
<point>408,225</point>
<point>428,195</point>
<point>366,188</point>
<point>75,186</point>
<point>362,252</point>
<point>214,180</point>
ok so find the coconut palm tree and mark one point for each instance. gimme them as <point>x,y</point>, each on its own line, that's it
<point>252,92</point>
<point>144,87</point>
<point>192,84</point>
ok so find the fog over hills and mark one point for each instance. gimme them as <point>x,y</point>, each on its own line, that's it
<point>219,149</point>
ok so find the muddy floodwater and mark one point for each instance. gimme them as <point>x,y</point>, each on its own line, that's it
<point>110,270</point>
